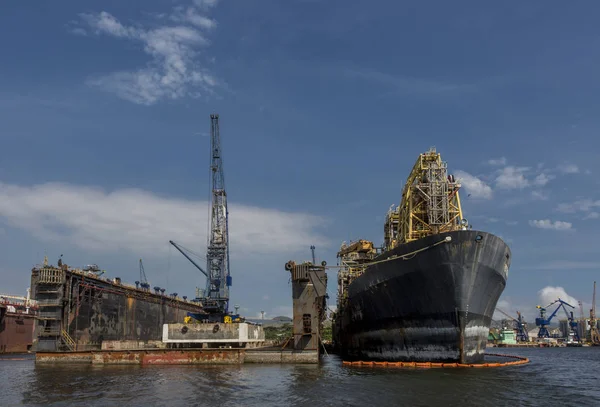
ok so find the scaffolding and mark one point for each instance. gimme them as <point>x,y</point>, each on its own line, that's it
<point>351,260</point>
<point>430,203</point>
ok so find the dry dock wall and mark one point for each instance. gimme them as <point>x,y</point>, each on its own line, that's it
<point>79,311</point>
<point>179,357</point>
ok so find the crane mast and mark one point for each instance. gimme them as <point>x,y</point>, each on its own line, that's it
<point>217,255</point>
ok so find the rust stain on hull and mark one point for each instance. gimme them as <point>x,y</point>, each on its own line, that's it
<point>16,332</point>
<point>193,357</point>
<point>146,357</point>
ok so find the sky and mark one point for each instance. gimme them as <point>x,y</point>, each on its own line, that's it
<point>324,106</point>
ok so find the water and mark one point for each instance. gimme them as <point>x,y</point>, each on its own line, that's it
<point>555,376</point>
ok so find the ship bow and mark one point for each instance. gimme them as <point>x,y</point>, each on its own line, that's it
<point>433,306</point>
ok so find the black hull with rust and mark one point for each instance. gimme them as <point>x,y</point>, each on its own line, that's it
<point>435,306</point>
<point>79,311</point>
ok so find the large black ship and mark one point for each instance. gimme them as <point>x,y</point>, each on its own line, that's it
<point>429,294</point>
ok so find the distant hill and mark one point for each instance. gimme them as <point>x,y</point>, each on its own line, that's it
<point>282,319</point>
<point>277,321</point>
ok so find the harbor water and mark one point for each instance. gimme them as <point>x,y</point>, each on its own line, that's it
<point>555,376</point>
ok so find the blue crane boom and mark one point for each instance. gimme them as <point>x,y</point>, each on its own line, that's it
<point>143,282</point>
<point>543,322</point>
<point>522,334</point>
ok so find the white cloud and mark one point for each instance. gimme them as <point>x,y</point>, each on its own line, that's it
<point>497,161</point>
<point>582,205</point>
<point>205,4</point>
<point>550,294</point>
<point>539,195</point>
<point>548,224</point>
<point>173,71</point>
<point>512,178</point>
<point>474,186</point>
<point>78,31</point>
<point>543,179</point>
<point>592,215</point>
<point>190,15</point>
<point>507,305</point>
<point>143,223</point>
<point>408,85</point>
<point>563,265</point>
<point>568,169</point>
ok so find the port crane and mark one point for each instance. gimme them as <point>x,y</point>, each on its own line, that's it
<point>543,322</point>
<point>594,335</point>
<point>520,326</point>
<point>215,298</point>
<point>143,282</point>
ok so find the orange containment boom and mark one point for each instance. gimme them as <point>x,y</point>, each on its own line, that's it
<point>519,360</point>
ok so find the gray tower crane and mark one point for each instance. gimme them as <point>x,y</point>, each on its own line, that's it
<point>215,298</point>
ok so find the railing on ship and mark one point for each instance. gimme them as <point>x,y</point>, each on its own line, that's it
<point>51,276</point>
<point>51,302</point>
<point>49,332</point>
<point>50,315</point>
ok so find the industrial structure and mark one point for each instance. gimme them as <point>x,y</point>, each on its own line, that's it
<point>352,259</point>
<point>430,204</point>
<point>309,302</point>
<point>594,336</point>
<point>143,281</point>
<point>542,321</point>
<point>519,325</point>
<point>429,293</point>
<point>80,309</point>
<point>570,331</point>
<point>215,297</point>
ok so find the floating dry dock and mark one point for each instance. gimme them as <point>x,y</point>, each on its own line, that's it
<point>219,343</point>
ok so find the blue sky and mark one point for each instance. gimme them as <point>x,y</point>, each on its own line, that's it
<point>324,107</point>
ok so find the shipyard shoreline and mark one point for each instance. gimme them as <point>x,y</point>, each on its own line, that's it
<point>434,306</point>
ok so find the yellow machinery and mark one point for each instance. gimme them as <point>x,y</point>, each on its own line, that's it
<point>352,257</point>
<point>430,203</point>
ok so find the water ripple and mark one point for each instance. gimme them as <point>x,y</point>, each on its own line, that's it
<point>567,376</point>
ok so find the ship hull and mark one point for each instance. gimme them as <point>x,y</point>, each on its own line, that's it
<point>16,331</point>
<point>435,306</point>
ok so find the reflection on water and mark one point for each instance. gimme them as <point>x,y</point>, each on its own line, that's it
<point>558,376</point>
